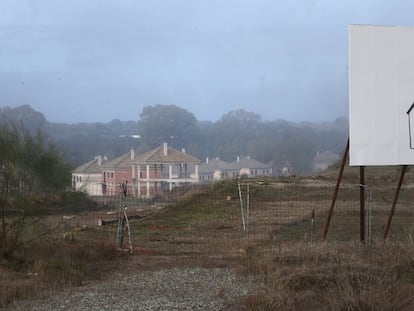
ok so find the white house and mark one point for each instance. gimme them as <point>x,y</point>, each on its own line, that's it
<point>217,169</point>
<point>249,167</point>
<point>213,169</point>
<point>88,176</point>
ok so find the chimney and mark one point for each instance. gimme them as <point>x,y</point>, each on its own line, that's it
<point>238,159</point>
<point>183,150</point>
<point>99,160</point>
<point>165,148</point>
<point>207,160</point>
<point>132,154</point>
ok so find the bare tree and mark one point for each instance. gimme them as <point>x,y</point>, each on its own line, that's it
<point>30,170</point>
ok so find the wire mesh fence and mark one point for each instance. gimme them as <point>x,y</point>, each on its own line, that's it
<point>220,219</point>
<point>268,228</point>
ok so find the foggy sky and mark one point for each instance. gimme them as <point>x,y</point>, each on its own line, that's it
<point>98,60</point>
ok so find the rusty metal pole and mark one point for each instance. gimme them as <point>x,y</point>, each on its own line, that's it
<point>394,203</point>
<point>338,182</point>
<point>362,204</point>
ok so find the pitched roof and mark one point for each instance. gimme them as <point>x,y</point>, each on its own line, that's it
<point>122,162</point>
<point>157,156</point>
<point>91,167</point>
<point>248,162</point>
<point>213,165</point>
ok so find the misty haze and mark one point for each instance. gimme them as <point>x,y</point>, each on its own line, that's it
<point>194,155</point>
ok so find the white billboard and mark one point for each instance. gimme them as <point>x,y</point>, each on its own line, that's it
<point>381,95</point>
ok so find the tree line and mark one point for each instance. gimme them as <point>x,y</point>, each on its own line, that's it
<point>236,133</point>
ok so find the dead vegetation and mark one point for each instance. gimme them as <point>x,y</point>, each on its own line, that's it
<point>53,263</point>
<point>333,276</point>
<point>203,227</point>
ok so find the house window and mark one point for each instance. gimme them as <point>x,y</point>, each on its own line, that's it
<point>140,174</point>
<point>112,174</point>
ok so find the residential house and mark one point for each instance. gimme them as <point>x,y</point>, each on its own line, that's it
<point>162,169</point>
<point>117,172</point>
<point>87,177</point>
<point>159,170</point>
<point>213,169</point>
<point>149,173</point>
<point>217,169</point>
<point>249,167</point>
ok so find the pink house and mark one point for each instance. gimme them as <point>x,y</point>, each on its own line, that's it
<point>161,169</point>
<point>116,172</point>
<point>150,173</point>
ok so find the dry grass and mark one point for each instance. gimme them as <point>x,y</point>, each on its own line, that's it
<point>341,274</point>
<point>204,228</point>
<point>53,263</point>
<point>334,276</point>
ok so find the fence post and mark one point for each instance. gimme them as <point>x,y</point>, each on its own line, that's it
<point>241,207</point>
<point>247,210</point>
<point>369,218</point>
<point>312,226</point>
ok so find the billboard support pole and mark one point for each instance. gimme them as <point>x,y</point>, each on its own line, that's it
<point>394,203</point>
<point>362,204</point>
<point>338,182</point>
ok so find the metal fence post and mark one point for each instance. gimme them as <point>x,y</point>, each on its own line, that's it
<point>312,226</point>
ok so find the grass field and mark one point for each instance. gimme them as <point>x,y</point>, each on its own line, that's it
<point>274,240</point>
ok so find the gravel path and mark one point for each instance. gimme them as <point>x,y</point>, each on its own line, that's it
<point>165,289</point>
